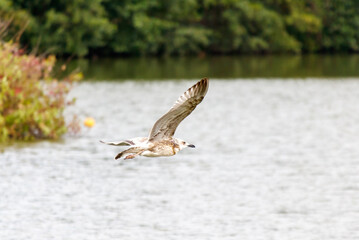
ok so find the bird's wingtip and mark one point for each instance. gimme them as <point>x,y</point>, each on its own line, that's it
<point>204,80</point>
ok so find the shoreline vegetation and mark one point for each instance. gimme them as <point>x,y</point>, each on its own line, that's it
<point>32,101</point>
<point>176,28</point>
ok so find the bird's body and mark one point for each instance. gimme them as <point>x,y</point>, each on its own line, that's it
<point>161,142</point>
<point>161,148</point>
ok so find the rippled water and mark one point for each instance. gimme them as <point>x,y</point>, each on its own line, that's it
<point>274,159</point>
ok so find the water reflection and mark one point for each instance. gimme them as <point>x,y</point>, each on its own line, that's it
<point>268,66</point>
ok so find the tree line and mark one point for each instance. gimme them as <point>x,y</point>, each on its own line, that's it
<point>176,27</point>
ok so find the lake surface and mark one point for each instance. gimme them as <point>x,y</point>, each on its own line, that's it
<point>274,159</point>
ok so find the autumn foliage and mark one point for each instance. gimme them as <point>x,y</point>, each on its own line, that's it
<point>32,101</point>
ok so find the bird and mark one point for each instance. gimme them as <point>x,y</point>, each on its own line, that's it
<point>161,141</point>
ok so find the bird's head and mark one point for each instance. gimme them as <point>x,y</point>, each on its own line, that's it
<point>183,144</point>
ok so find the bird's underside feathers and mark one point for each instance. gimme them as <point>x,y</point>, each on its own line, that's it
<point>166,126</point>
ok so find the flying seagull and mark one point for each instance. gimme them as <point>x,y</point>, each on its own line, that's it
<point>161,142</point>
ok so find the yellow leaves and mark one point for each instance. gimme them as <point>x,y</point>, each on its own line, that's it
<point>45,129</point>
<point>76,76</point>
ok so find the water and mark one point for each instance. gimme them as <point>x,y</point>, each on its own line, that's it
<point>252,66</point>
<point>274,159</point>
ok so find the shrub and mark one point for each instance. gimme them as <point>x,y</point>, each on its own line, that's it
<point>32,101</point>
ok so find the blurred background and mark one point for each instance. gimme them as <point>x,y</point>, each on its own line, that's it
<point>276,136</point>
<point>109,28</point>
<point>272,34</point>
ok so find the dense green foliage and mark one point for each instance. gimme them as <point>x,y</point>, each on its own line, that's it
<point>31,100</point>
<point>162,27</point>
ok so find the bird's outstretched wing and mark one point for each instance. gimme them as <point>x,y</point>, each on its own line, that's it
<point>120,143</point>
<point>128,142</point>
<point>166,126</point>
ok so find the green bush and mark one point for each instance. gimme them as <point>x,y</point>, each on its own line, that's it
<point>31,100</point>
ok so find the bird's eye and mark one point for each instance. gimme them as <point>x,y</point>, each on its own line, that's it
<point>183,142</point>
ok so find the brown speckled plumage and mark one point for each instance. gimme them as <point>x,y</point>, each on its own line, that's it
<point>160,141</point>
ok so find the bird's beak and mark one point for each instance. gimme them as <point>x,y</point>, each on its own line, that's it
<point>191,146</point>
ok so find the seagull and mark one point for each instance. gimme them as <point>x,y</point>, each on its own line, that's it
<point>160,141</point>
